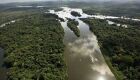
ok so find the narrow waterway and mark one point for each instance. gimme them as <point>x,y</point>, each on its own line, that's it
<point>82,54</point>
<point>7,23</point>
<point>3,70</point>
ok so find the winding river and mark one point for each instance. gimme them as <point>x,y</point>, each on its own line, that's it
<point>83,56</point>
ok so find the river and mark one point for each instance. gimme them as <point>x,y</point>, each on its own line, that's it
<point>3,70</point>
<point>82,54</point>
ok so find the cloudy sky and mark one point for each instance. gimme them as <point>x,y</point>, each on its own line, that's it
<point>7,1</point>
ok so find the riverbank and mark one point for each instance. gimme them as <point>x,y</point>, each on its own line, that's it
<point>118,45</point>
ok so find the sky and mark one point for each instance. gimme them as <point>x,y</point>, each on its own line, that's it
<point>8,1</point>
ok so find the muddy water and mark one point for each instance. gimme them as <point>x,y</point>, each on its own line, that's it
<point>83,56</point>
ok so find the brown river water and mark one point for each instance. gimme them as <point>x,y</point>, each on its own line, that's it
<point>82,54</point>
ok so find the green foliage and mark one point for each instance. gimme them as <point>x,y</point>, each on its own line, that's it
<point>76,14</point>
<point>72,24</point>
<point>7,16</point>
<point>48,15</point>
<point>133,23</point>
<point>128,9</point>
<point>34,48</point>
<point>120,46</point>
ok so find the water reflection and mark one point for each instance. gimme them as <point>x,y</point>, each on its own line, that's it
<point>83,55</point>
<point>85,62</point>
<point>101,78</point>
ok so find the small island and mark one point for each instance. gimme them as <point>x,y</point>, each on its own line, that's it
<point>76,14</point>
<point>72,24</point>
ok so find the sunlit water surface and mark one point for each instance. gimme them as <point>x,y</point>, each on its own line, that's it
<point>83,56</point>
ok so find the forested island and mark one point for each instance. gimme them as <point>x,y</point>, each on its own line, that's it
<point>120,47</point>
<point>76,14</point>
<point>33,48</point>
<point>72,24</point>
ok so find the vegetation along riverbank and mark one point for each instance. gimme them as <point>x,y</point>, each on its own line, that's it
<point>120,47</point>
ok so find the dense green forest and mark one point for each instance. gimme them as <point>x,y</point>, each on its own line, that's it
<point>72,24</point>
<point>76,14</point>
<point>129,22</point>
<point>34,48</point>
<point>18,13</point>
<point>12,15</point>
<point>120,47</point>
<point>33,45</point>
<point>130,9</point>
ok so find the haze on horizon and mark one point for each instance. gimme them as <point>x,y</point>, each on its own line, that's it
<point>9,1</point>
